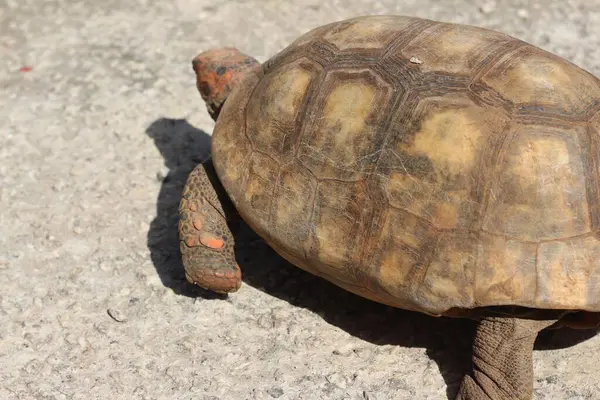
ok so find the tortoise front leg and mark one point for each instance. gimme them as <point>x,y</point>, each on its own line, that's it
<point>502,360</point>
<point>206,242</point>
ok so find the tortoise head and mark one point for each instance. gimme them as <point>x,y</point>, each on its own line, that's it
<point>217,72</point>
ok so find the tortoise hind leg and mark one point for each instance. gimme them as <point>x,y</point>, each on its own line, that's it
<point>502,360</point>
<point>206,242</point>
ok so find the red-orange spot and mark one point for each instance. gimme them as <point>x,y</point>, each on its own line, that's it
<point>211,241</point>
<point>25,68</point>
<point>191,242</point>
<point>198,223</point>
<point>217,69</point>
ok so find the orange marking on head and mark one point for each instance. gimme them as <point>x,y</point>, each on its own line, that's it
<point>211,241</point>
<point>217,71</point>
<point>213,85</point>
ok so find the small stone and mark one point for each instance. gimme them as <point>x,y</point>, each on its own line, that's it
<point>265,321</point>
<point>344,350</point>
<point>32,367</point>
<point>116,315</point>
<point>71,339</point>
<point>58,186</point>
<point>336,379</point>
<point>488,7</point>
<point>278,376</point>
<point>275,392</point>
<point>144,226</point>
<point>140,392</point>
<point>76,171</point>
<point>522,13</point>
<point>416,60</point>
<point>101,328</point>
<point>105,266</point>
<point>259,395</point>
<point>162,174</point>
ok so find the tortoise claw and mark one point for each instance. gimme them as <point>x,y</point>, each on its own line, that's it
<point>218,278</point>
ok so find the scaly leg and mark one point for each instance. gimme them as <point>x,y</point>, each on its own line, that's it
<point>502,360</point>
<point>206,242</point>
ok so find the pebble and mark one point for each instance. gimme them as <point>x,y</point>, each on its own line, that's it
<point>336,379</point>
<point>105,266</point>
<point>59,186</point>
<point>488,7</point>
<point>278,376</point>
<point>266,321</point>
<point>344,350</point>
<point>162,174</point>
<point>116,315</point>
<point>275,392</point>
<point>259,395</point>
<point>32,367</point>
<point>522,13</point>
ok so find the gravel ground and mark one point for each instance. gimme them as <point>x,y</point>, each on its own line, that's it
<point>100,124</point>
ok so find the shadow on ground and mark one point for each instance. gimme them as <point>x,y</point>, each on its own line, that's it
<point>447,341</point>
<point>182,147</point>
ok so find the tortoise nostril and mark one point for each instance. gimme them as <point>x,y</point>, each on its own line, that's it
<point>204,89</point>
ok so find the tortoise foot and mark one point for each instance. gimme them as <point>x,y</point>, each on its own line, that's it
<point>206,241</point>
<point>502,360</point>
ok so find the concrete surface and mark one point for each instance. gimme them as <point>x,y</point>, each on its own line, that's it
<point>96,141</point>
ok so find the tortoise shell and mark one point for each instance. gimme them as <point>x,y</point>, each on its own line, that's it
<point>424,165</point>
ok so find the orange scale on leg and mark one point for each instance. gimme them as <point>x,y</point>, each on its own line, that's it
<point>211,241</point>
<point>198,222</point>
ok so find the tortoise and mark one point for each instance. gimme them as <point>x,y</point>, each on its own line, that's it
<point>434,167</point>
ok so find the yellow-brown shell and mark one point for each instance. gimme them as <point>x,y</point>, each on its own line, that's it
<point>423,165</point>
